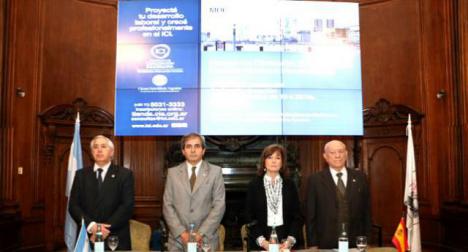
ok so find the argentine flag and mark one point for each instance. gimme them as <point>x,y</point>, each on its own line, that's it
<point>82,244</point>
<point>75,162</point>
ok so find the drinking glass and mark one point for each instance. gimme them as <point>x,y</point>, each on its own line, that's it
<point>361,243</point>
<point>289,244</point>
<point>206,246</point>
<point>113,242</point>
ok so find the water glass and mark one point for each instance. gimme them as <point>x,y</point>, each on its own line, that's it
<point>288,244</point>
<point>361,243</point>
<point>206,245</point>
<point>113,242</point>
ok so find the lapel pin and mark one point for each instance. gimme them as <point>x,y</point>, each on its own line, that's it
<point>113,175</point>
<point>354,180</point>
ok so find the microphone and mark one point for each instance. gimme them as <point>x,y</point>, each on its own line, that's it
<point>251,224</point>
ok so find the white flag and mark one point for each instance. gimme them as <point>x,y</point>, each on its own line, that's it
<point>411,195</point>
<point>75,162</point>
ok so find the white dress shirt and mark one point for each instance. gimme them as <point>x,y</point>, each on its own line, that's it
<point>344,177</point>
<point>104,168</point>
<point>189,168</point>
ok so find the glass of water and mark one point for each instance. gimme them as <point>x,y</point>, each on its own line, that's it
<point>288,244</point>
<point>361,243</point>
<point>206,246</point>
<point>113,242</point>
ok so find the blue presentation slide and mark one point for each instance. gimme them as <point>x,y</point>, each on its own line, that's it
<point>223,67</point>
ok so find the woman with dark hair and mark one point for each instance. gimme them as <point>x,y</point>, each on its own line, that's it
<point>273,201</point>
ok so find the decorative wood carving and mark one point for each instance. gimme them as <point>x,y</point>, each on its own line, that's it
<point>65,114</point>
<point>383,113</point>
<point>232,143</point>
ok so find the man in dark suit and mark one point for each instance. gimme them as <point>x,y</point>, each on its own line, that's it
<point>104,194</point>
<point>337,196</point>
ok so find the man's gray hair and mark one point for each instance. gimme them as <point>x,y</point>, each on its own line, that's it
<point>109,142</point>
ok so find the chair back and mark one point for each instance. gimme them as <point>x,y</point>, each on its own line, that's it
<point>244,237</point>
<point>304,235</point>
<point>140,235</point>
<point>221,235</point>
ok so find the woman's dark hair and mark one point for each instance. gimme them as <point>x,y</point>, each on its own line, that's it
<point>268,151</point>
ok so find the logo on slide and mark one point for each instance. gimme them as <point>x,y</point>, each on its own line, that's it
<point>159,80</point>
<point>160,51</point>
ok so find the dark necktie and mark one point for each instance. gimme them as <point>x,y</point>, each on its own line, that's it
<point>193,177</point>
<point>99,178</point>
<point>340,184</point>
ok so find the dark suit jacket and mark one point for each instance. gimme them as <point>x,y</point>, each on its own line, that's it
<point>322,208</point>
<point>113,205</point>
<point>256,209</point>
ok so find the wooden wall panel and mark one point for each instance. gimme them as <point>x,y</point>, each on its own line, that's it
<point>462,63</point>
<point>386,172</point>
<point>439,134</point>
<point>406,55</point>
<point>454,196</point>
<point>22,73</point>
<point>145,156</point>
<point>309,156</point>
<point>390,52</point>
<point>79,52</point>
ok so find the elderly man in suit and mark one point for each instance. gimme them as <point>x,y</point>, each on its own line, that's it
<point>194,194</point>
<point>104,194</point>
<point>337,196</point>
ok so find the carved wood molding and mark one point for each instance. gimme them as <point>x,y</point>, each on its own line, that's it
<point>65,115</point>
<point>385,113</point>
<point>232,143</point>
<point>385,119</point>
